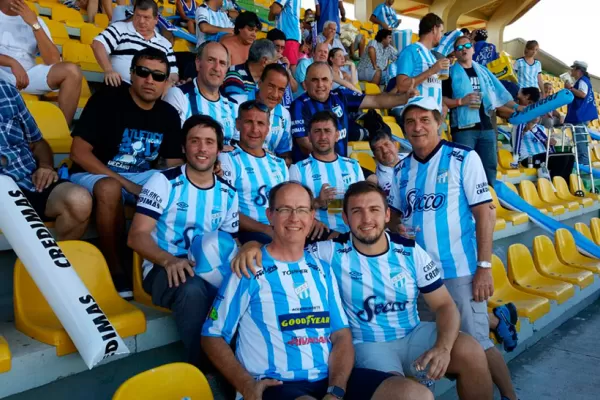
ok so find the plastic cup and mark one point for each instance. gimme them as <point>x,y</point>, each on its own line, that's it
<point>335,205</point>
<point>476,102</point>
<point>444,74</point>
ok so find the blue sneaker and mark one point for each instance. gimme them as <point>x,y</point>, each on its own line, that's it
<point>506,332</point>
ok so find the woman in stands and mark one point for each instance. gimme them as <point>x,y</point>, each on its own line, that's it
<point>528,69</point>
<point>187,11</point>
<point>337,61</point>
<point>530,140</point>
<point>373,63</point>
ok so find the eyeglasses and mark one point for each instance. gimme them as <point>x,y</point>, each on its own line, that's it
<point>460,47</point>
<point>250,104</point>
<point>285,212</point>
<point>144,72</point>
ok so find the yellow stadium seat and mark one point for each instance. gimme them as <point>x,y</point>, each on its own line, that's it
<point>562,192</point>
<point>35,318</point>
<point>359,146</point>
<point>504,160</point>
<point>59,33</point>
<point>368,26</point>
<point>52,124</point>
<point>33,7</point>
<point>356,24</point>
<point>261,35</point>
<point>396,130</point>
<point>169,381</point>
<point>584,230</point>
<point>168,9</point>
<point>181,45</point>
<point>528,305</point>
<point>371,88</point>
<point>71,17</point>
<point>568,253</point>
<point>529,193</point>
<point>84,96</point>
<point>82,55</point>
<point>574,188</point>
<point>5,356</point>
<point>547,263</point>
<point>139,294</point>
<point>500,224</point>
<point>514,217</point>
<point>522,273</point>
<point>29,97</point>
<point>365,160</point>
<point>89,32</point>
<point>595,228</point>
<point>101,21</point>
<point>546,192</point>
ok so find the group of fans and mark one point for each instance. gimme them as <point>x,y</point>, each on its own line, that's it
<point>343,285</point>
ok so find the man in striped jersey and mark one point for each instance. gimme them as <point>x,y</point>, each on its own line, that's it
<point>417,66</point>
<point>253,171</point>
<point>293,338</point>
<point>242,79</point>
<point>213,22</point>
<point>326,173</point>
<point>385,16</point>
<point>386,157</point>
<point>174,206</point>
<point>442,190</point>
<point>202,95</point>
<point>271,88</point>
<point>115,47</point>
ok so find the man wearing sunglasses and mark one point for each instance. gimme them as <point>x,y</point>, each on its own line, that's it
<point>114,154</point>
<point>253,171</point>
<point>473,93</point>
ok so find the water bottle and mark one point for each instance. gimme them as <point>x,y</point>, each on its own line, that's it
<point>421,377</point>
<point>529,162</point>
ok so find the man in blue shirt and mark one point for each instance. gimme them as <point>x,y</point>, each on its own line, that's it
<point>293,338</point>
<point>385,16</point>
<point>327,10</point>
<point>319,96</point>
<point>27,158</point>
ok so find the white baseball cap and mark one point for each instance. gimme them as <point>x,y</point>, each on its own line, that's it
<point>424,102</point>
<point>580,64</point>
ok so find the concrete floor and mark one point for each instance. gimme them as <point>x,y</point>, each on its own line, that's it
<point>562,366</point>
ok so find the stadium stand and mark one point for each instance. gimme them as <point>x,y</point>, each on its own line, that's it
<point>568,253</point>
<point>4,355</point>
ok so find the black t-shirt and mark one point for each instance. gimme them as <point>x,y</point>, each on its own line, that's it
<point>125,137</point>
<point>485,123</point>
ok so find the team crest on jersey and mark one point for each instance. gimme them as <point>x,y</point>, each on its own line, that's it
<point>399,281</point>
<point>338,111</point>
<point>442,176</point>
<point>302,291</point>
<point>215,217</point>
<point>347,179</point>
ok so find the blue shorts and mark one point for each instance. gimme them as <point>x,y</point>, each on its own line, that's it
<point>88,181</point>
<point>362,384</point>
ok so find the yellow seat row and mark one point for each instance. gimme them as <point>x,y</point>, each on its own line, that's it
<point>5,356</point>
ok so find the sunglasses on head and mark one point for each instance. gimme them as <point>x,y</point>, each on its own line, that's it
<point>250,104</point>
<point>144,72</point>
<point>460,47</point>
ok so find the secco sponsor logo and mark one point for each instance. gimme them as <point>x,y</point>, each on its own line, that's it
<point>372,308</point>
<point>423,202</point>
<point>292,322</point>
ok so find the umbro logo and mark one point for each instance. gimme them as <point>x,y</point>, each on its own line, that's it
<point>181,206</point>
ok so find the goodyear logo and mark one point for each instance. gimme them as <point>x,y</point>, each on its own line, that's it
<point>292,322</point>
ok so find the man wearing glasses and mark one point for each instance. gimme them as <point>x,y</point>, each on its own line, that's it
<point>253,171</point>
<point>293,340</point>
<point>114,155</point>
<point>473,93</point>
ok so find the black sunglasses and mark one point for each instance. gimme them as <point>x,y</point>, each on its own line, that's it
<point>250,104</point>
<point>460,47</point>
<point>144,72</point>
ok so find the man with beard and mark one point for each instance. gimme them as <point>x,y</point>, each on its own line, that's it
<point>202,96</point>
<point>325,172</point>
<point>174,206</point>
<point>380,276</point>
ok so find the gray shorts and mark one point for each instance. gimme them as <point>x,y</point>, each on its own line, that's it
<point>474,318</point>
<point>88,181</point>
<point>397,355</point>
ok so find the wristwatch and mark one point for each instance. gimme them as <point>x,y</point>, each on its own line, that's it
<point>484,264</point>
<point>336,392</point>
<point>36,27</point>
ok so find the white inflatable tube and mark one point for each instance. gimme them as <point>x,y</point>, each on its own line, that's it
<point>93,335</point>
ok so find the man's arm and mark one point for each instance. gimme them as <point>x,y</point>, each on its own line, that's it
<point>274,11</point>
<point>304,145</point>
<point>42,152</point>
<point>485,221</point>
<point>221,355</point>
<point>341,358</point>
<point>342,10</point>
<point>101,56</point>
<point>376,21</point>
<point>386,100</point>
<point>48,50</point>
<point>205,27</point>
<point>541,85</point>
<point>447,318</point>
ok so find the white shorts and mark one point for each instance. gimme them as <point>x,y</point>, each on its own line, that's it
<point>88,181</point>
<point>38,79</point>
<point>397,355</point>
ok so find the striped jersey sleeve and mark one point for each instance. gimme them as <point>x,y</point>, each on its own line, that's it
<point>154,196</point>
<point>110,37</point>
<point>233,85</point>
<point>475,181</point>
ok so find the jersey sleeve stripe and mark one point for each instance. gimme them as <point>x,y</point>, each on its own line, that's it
<point>431,287</point>
<point>150,213</point>
<point>481,202</point>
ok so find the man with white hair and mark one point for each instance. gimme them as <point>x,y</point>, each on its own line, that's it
<point>331,37</point>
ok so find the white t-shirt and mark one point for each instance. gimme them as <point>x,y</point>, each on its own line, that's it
<point>18,41</point>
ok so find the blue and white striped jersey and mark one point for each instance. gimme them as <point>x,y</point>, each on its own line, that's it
<point>529,143</point>
<point>527,75</point>
<point>436,194</point>
<point>286,314</point>
<point>188,101</point>
<point>413,61</point>
<point>288,21</point>
<point>446,45</point>
<point>387,15</point>
<point>379,293</point>
<point>253,177</point>
<point>340,174</point>
<point>212,253</point>
<point>183,211</point>
<point>216,18</point>
<point>279,138</point>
